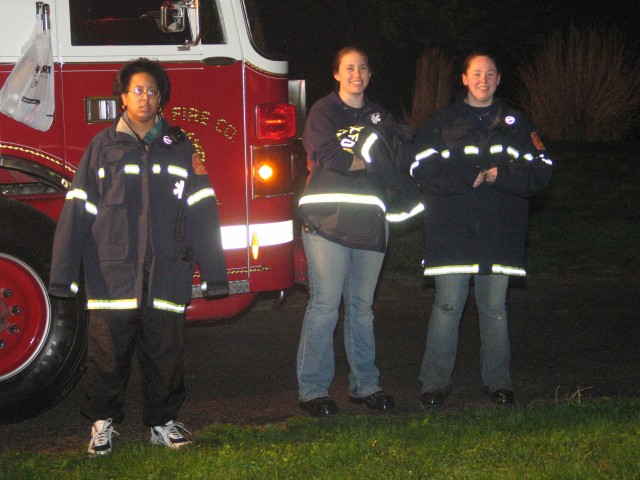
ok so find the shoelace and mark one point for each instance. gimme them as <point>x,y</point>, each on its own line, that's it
<point>173,432</point>
<point>103,436</point>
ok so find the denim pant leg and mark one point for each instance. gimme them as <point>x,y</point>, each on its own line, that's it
<point>495,353</point>
<point>327,264</point>
<point>442,334</point>
<point>359,340</point>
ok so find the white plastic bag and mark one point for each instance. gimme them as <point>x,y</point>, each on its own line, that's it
<point>28,94</point>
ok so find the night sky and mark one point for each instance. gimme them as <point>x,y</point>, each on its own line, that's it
<point>396,32</point>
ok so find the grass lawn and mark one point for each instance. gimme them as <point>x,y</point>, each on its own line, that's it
<point>598,440</point>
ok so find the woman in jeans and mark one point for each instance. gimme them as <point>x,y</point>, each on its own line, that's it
<point>344,236</point>
<point>479,160</point>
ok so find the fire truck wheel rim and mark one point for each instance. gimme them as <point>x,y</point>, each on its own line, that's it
<point>25,315</point>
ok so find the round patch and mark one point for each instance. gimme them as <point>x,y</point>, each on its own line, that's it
<point>509,120</point>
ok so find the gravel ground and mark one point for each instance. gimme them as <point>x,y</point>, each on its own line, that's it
<point>574,338</point>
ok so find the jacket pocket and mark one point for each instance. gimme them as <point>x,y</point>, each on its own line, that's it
<point>112,175</point>
<point>111,232</point>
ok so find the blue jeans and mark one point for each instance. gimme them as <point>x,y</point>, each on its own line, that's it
<point>442,334</point>
<point>335,273</point>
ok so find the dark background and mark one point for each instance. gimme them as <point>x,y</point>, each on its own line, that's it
<point>395,32</point>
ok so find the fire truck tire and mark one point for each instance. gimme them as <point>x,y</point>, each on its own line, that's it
<point>280,301</point>
<point>42,338</point>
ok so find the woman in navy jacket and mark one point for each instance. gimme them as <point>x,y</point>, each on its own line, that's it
<point>478,160</point>
<point>139,215</point>
<point>345,207</point>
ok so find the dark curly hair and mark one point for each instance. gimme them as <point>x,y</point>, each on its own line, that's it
<point>143,65</point>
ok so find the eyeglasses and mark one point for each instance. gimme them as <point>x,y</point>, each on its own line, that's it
<point>152,93</point>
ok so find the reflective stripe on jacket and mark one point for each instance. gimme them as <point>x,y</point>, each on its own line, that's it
<point>478,230</point>
<point>134,208</point>
<point>350,208</point>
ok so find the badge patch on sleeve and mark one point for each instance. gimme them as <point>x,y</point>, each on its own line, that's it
<point>536,141</point>
<point>198,165</point>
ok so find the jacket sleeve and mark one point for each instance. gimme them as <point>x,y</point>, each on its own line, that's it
<point>74,227</point>
<point>526,172</point>
<point>438,169</point>
<point>204,235</point>
<point>401,138</point>
<point>403,197</point>
<point>320,140</point>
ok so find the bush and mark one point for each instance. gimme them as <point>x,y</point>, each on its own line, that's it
<point>582,86</point>
<point>434,81</point>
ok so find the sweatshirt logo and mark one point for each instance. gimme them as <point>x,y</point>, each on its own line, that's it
<point>376,118</point>
<point>179,189</point>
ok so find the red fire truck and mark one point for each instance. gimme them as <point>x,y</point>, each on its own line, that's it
<point>233,101</point>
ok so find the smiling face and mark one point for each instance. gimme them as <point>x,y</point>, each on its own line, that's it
<point>481,79</point>
<point>353,76</point>
<point>142,108</point>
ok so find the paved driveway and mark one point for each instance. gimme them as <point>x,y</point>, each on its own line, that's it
<point>572,336</point>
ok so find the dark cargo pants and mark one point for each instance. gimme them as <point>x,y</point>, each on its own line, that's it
<point>113,336</point>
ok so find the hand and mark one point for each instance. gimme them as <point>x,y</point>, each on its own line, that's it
<point>369,150</point>
<point>490,175</point>
<point>357,164</point>
<point>479,180</point>
<point>363,142</point>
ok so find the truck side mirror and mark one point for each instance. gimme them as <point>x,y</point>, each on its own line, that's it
<point>173,17</point>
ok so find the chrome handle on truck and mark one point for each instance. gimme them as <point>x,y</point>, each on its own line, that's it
<point>101,109</point>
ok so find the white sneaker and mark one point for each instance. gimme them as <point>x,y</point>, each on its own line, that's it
<point>101,432</point>
<point>169,436</point>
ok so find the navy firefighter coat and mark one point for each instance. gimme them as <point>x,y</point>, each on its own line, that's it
<point>478,230</point>
<point>139,210</point>
<point>351,208</point>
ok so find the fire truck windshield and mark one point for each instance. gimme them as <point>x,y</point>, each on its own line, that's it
<point>264,28</point>
<point>144,22</point>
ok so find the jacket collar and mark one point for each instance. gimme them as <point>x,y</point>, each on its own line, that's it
<point>123,127</point>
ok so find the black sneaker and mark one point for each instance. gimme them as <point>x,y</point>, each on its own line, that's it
<point>503,397</point>
<point>320,407</point>
<point>380,401</point>
<point>432,398</point>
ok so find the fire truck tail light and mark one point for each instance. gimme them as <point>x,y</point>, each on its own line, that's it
<point>272,171</point>
<point>275,121</point>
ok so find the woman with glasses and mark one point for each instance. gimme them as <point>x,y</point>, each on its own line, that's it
<point>139,215</point>
<point>478,160</point>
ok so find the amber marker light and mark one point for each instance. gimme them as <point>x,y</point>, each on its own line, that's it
<point>255,246</point>
<point>265,171</point>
